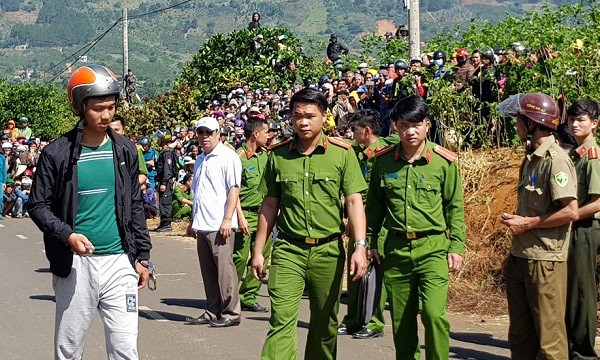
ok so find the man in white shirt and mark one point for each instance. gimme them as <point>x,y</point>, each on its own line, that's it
<point>216,186</point>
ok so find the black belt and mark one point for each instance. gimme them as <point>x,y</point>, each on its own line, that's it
<point>415,235</point>
<point>311,241</point>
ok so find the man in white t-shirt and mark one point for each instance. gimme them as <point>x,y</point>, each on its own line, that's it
<point>216,186</point>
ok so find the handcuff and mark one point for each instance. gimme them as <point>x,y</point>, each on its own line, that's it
<point>148,264</point>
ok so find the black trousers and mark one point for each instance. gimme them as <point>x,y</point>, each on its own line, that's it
<point>164,205</point>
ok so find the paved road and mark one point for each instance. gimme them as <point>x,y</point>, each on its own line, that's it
<point>27,321</point>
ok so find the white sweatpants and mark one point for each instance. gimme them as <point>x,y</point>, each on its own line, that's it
<point>104,283</point>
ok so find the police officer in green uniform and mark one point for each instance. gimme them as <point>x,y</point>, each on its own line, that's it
<point>365,127</point>
<point>582,291</point>
<point>254,161</point>
<point>305,180</point>
<point>536,269</point>
<point>419,182</point>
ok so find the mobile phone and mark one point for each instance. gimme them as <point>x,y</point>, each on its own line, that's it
<point>369,83</point>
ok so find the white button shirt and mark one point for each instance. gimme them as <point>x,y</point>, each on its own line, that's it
<point>214,175</point>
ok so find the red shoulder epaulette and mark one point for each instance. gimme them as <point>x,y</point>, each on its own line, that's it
<point>593,153</point>
<point>445,153</point>
<point>339,142</point>
<point>384,150</point>
<point>275,146</point>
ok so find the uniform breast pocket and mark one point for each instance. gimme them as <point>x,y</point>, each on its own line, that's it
<point>428,192</point>
<point>536,198</point>
<point>290,186</point>
<point>326,187</point>
<point>251,178</point>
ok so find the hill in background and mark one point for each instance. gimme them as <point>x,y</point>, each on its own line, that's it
<point>39,39</point>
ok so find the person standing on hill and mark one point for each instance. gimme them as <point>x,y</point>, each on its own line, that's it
<point>255,23</point>
<point>335,49</point>
<point>87,202</point>
<point>536,269</point>
<point>582,292</point>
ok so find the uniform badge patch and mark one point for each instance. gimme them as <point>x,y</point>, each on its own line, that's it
<point>169,161</point>
<point>131,302</point>
<point>561,178</point>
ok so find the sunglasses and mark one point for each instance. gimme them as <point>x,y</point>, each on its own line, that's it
<point>205,132</point>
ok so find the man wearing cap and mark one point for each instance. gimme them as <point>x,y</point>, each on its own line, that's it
<point>335,49</point>
<point>366,101</point>
<point>216,187</point>
<point>305,179</point>
<point>536,269</point>
<point>254,159</point>
<point>9,198</point>
<point>24,130</point>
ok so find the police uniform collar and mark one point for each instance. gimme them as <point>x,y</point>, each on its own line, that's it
<point>370,150</point>
<point>544,146</point>
<point>583,148</point>
<point>322,142</point>
<point>249,153</point>
<point>425,154</point>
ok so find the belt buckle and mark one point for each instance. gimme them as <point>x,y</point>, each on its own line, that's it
<point>411,235</point>
<point>310,241</point>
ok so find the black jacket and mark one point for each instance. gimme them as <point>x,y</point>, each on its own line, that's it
<point>53,200</point>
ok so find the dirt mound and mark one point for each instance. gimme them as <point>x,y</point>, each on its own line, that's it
<point>489,179</point>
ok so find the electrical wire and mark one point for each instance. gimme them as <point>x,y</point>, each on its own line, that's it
<point>95,41</point>
<point>159,10</point>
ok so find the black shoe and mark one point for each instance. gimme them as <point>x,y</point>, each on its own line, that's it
<point>200,320</point>
<point>343,330</point>
<point>163,229</point>
<point>224,322</point>
<point>366,333</point>
<point>256,308</point>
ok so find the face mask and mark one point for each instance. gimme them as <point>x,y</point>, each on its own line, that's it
<point>438,62</point>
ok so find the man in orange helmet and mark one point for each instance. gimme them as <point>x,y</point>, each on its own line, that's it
<point>87,202</point>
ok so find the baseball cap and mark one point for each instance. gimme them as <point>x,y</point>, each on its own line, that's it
<point>187,160</point>
<point>207,122</point>
<point>26,181</point>
<point>253,110</point>
<point>361,90</point>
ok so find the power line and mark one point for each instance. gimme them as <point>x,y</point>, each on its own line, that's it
<point>95,42</point>
<point>160,10</point>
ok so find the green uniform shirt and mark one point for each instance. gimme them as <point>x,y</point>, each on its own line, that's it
<point>366,157</point>
<point>253,170</point>
<point>179,194</point>
<point>425,196</point>
<point>143,169</point>
<point>587,168</point>
<point>546,176</point>
<point>309,187</point>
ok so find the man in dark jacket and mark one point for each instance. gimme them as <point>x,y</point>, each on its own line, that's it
<point>335,49</point>
<point>87,202</point>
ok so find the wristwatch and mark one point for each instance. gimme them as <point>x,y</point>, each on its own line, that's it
<point>146,263</point>
<point>362,243</point>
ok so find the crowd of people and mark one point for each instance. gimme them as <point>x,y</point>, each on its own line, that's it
<point>286,172</point>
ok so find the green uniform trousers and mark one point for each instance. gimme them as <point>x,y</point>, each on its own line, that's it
<point>536,293</point>
<point>582,292</point>
<point>414,269</point>
<point>320,268</point>
<point>242,250</point>
<point>180,211</point>
<point>377,322</point>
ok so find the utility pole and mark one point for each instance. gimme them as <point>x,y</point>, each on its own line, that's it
<point>125,43</point>
<point>414,28</point>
